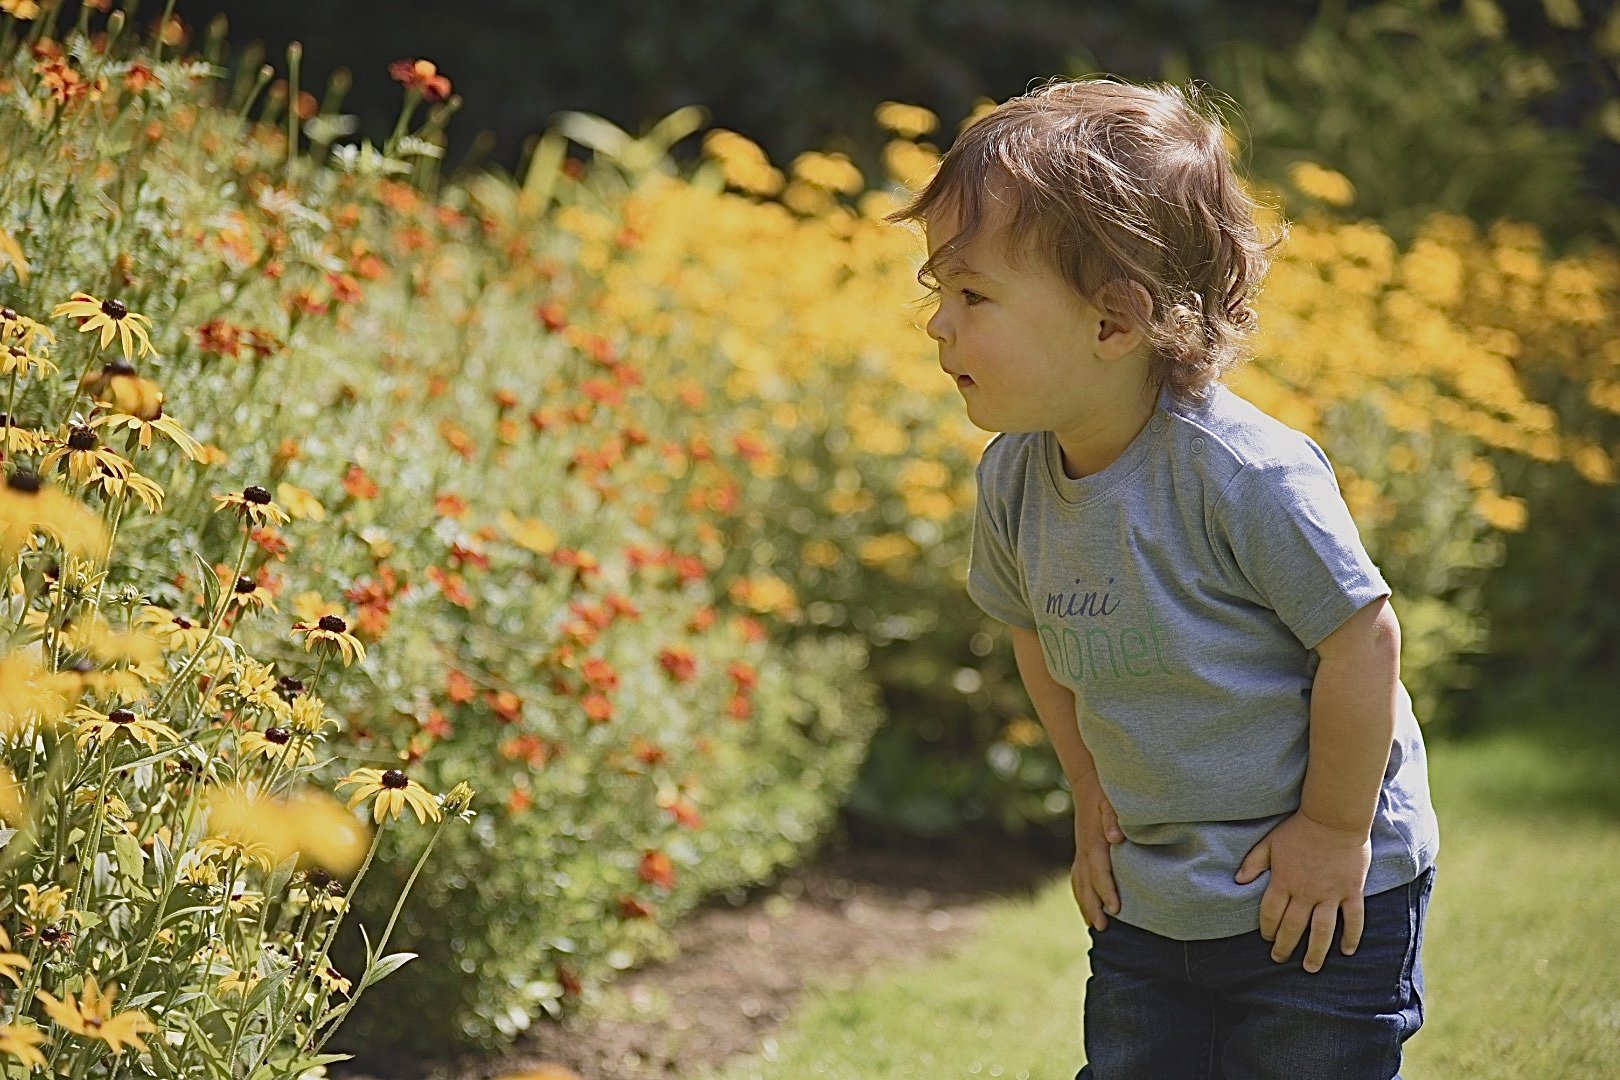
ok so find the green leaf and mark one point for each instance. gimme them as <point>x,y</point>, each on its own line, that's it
<point>210,585</point>
<point>386,967</point>
<point>281,875</point>
<point>131,859</point>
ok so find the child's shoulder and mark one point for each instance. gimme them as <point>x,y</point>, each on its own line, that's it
<point>1237,433</point>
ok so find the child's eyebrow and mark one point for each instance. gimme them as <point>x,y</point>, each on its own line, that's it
<point>957,269</point>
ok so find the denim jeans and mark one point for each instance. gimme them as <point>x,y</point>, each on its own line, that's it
<point>1161,1009</point>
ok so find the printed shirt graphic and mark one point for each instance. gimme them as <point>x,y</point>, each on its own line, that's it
<point>1179,593</point>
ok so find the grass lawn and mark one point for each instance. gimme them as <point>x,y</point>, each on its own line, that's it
<point>1522,954</point>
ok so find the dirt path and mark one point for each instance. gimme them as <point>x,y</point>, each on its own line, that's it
<point>741,969</point>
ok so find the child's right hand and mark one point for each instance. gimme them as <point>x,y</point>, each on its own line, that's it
<point>1096,829</point>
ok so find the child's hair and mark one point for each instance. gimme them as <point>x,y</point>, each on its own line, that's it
<point>1113,183</point>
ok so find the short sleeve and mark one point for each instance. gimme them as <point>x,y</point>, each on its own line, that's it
<point>1292,538</point>
<point>994,582</point>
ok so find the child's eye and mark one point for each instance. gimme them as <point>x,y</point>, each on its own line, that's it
<point>971,298</point>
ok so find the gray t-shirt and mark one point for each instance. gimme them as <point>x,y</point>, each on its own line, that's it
<point>1180,593</point>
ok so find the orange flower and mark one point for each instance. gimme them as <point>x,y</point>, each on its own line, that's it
<point>358,484</point>
<point>679,662</point>
<point>656,869</point>
<point>422,76</point>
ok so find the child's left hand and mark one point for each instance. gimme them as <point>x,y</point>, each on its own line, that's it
<point>1316,871</point>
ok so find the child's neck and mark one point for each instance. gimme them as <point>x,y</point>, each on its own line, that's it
<point>1091,449</point>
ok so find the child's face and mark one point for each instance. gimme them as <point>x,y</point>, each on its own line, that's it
<point>1028,353</point>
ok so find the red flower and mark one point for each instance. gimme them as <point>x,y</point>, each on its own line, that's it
<point>460,688</point>
<point>679,662</point>
<point>422,76</point>
<point>552,315</point>
<point>505,704</point>
<point>518,801</point>
<point>358,484</point>
<point>600,674</point>
<point>435,725</point>
<point>598,708</point>
<point>220,338</point>
<point>648,753</point>
<point>631,908</point>
<point>452,586</point>
<point>739,707</point>
<point>656,869</point>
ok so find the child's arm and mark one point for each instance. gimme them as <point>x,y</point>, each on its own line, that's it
<point>1095,824</point>
<point>1319,856</point>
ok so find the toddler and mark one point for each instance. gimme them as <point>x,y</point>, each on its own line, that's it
<point>1204,638</point>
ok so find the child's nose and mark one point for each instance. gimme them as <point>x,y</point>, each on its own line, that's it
<point>938,328</point>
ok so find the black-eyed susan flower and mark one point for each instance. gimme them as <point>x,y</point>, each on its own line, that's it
<point>309,715</point>
<point>91,1015</point>
<point>16,439</point>
<point>254,504</point>
<point>144,427</point>
<point>332,633</point>
<point>19,329</point>
<point>11,964</point>
<point>22,1042</point>
<point>118,386</point>
<point>13,808</point>
<point>309,822</point>
<point>10,251</point>
<point>300,504</point>
<point>143,488</point>
<point>29,505</point>
<point>106,726</point>
<point>237,983</point>
<point>43,905</point>
<point>112,318</point>
<point>332,979</point>
<point>17,359</point>
<point>220,850</point>
<point>175,633</point>
<point>394,791</point>
<point>271,744</point>
<point>29,694</point>
<point>81,456</point>
<point>248,594</point>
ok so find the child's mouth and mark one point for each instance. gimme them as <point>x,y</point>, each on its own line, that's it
<point>963,382</point>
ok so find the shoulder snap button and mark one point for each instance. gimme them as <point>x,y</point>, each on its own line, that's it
<point>1198,444</point>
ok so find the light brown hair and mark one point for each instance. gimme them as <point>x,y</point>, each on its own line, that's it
<point>1110,184</point>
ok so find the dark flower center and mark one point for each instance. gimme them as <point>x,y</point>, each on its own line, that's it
<point>50,935</point>
<point>319,878</point>
<point>246,584</point>
<point>278,735</point>
<point>289,687</point>
<point>83,438</point>
<point>26,482</point>
<point>182,622</point>
<point>16,350</point>
<point>118,367</point>
<point>7,315</point>
<point>393,778</point>
<point>121,716</point>
<point>256,495</point>
<point>114,309</point>
<point>333,624</point>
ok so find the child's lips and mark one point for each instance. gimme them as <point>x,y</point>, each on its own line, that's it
<point>964,381</point>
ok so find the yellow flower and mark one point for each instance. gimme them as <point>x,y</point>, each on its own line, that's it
<point>174,632</point>
<point>311,823</point>
<point>300,504</point>
<point>43,905</point>
<point>143,488</point>
<point>218,850</point>
<point>11,964</point>
<point>112,318</point>
<point>107,726</point>
<point>92,1016</point>
<point>394,792</point>
<point>22,10</point>
<point>253,503</point>
<point>29,693</point>
<point>20,1041</point>
<point>144,427</point>
<point>82,456</point>
<point>1321,183</point>
<point>113,807</point>
<point>309,714</point>
<point>907,121</point>
<point>271,744</point>
<point>13,808</point>
<point>15,439</point>
<point>29,505</point>
<point>333,634</point>
<point>238,983</point>
<point>10,250</point>
<point>530,534</point>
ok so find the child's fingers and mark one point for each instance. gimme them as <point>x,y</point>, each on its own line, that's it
<point>1272,905</point>
<point>1355,914</point>
<point>1292,927</point>
<point>1323,919</point>
<point>1102,878</point>
<point>1086,897</point>
<point>1110,821</point>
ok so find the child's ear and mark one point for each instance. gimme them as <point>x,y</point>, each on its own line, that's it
<point>1125,307</point>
